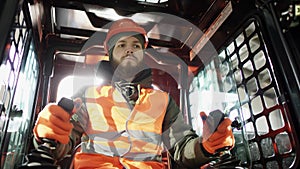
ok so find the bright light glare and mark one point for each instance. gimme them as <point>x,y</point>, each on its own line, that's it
<point>72,84</point>
<point>4,72</point>
<point>65,88</point>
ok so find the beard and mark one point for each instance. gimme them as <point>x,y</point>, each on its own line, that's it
<point>127,71</point>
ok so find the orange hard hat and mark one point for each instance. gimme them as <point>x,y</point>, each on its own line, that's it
<point>121,26</point>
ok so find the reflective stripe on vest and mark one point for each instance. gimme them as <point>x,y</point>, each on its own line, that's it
<point>115,130</point>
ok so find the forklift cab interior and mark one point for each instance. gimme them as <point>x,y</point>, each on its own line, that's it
<point>241,57</point>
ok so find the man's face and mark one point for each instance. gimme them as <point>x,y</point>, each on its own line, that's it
<point>127,55</point>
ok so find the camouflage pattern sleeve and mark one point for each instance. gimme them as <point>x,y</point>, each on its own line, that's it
<point>181,141</point>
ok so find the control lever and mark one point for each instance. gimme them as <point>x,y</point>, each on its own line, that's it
<point>217,116</point>
<point>42,157</point>
<point>213,120</point>
<point>226,159</point>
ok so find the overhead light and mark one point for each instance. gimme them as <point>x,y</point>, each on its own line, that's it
<point>107,13</point>
<point>153,1</point>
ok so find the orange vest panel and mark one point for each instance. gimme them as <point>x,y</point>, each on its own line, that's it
<point>119,136</point>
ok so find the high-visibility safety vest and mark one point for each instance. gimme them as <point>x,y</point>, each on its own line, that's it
<point>119,137</point>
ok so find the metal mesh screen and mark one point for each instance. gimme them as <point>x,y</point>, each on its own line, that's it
<point>11,67</point>
<point>18,78</point>
<point>262,107</point>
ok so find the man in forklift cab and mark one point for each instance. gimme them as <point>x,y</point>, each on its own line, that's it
<point>128,124</point>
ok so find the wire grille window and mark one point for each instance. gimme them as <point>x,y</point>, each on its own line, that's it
<point>267,126</point>
<point>19,79</point>
<point>9,70</point>
<point>241,82</point>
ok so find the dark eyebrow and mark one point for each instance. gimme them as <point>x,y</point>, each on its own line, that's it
<point>123,41</point>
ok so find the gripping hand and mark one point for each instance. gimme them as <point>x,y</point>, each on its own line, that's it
<point>53,122</point>
<point>217,132</point>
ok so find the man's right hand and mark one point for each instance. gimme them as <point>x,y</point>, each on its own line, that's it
<point>53,122</point>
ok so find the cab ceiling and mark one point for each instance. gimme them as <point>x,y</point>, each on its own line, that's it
<point>73,22</point>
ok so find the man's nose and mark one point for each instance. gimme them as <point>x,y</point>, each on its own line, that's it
<point>129,50</point>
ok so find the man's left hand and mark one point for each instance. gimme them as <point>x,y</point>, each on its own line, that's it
<point>220,138</point>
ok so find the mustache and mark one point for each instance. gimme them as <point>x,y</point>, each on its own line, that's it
<point>129,55</point>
